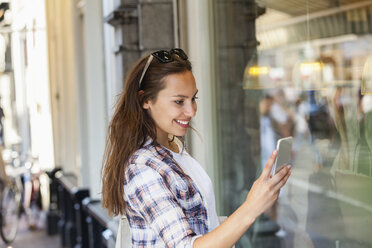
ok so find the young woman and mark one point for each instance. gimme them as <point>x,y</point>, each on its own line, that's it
<point>147,174</point>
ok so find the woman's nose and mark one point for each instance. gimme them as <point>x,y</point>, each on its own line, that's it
<point>190,109</point>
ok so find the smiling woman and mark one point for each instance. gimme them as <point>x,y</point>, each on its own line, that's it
<point>174,106</point>
<point>148,175</point>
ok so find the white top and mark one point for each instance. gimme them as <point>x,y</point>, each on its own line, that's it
<point>201,179</point>
<point>278,114</point>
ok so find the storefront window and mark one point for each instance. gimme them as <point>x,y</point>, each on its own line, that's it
<point>301,69</point>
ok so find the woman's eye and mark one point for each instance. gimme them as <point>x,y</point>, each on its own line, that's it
<point>195,98</point>
<point>179,102</point>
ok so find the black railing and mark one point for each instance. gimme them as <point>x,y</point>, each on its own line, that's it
<point>82,221</point>
<point>98,225</point>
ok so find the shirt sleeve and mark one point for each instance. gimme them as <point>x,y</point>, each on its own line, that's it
<point>147,193</point>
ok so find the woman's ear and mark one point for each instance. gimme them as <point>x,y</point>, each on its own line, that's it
<point>145,104</point>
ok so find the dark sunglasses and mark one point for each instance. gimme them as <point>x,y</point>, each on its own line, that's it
<point>166,56</point>
<point>163,56</point>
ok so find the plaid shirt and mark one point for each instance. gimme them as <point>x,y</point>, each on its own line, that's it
<point>162,209</point>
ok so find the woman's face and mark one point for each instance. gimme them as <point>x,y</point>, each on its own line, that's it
<point>174,106</point>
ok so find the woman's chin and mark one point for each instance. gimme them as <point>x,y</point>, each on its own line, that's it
<point>179,133</point>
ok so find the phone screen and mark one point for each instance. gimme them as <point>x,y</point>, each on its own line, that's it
<point>284,147</point>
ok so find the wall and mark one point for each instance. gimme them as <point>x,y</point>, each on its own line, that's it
<point>75,39</point>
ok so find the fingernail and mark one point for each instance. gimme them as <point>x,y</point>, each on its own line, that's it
<point>289,167</point>
<point>275,152</point>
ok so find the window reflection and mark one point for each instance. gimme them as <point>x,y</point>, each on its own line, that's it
<point>309,75</point>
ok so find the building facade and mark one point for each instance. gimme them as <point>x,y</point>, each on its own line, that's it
<point>265,70</point>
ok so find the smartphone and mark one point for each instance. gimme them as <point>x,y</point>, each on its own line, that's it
<point>284,148</point>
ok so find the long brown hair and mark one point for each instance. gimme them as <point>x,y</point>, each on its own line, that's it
<point>131,126</point>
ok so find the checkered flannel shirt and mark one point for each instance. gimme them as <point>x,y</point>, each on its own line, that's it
<point>162,210</point>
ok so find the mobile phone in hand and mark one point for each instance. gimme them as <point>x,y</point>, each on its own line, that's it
<point>284,147</point>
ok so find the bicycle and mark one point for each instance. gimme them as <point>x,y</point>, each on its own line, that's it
<point>36,192</point>
<point>10,200</point>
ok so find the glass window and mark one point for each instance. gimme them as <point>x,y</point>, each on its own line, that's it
<point>303,69</point>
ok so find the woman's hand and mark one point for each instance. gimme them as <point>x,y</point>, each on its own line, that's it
<point>262,195</point>
<point>266,188</point>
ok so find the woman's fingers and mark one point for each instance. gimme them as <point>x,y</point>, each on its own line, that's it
<point>282,182</point>
<point>279,177</point>
<point>280,174</point>
<point>269,165</point>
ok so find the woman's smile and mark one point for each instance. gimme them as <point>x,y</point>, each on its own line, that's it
<point>183,123</point>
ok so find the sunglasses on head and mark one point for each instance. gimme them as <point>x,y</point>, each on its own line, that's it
<point>166,56</point>
<point>163,56</point>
